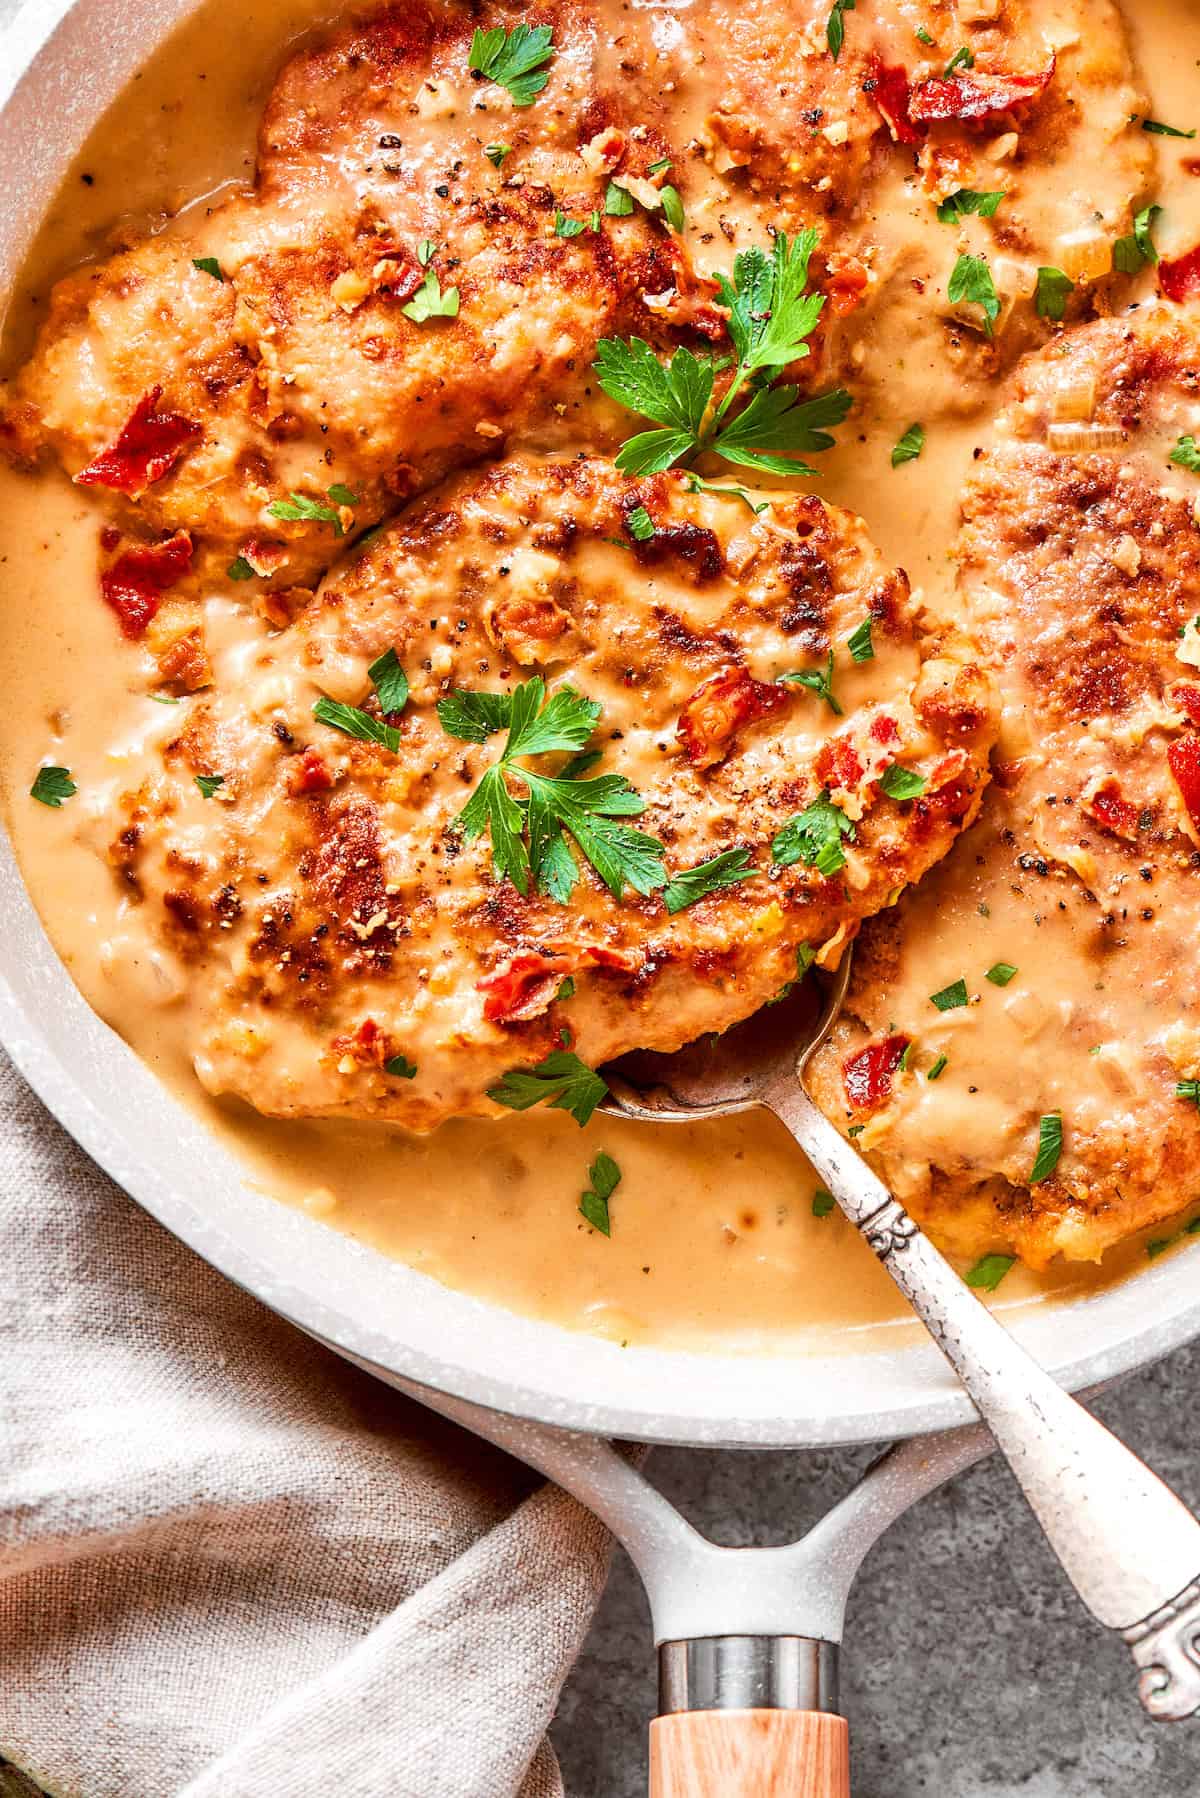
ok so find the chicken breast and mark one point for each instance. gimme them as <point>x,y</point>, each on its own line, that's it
<point>1038,984</point>
<point>560,764</point>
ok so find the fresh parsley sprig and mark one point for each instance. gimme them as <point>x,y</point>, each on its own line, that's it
<point>528,834</point>
<point>561,1081</point>
<point>771,316</point>
<point>971,284</point>
<point>514,59</point>
<point>818,681</point>
<point>814,837</point>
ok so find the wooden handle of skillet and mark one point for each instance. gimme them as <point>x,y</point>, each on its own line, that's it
<point>749,1754</point>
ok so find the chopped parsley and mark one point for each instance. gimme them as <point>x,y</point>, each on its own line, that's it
<point>1054,289</point>
<point>640,525</point>
<point>352,721</point>
<point>389,681</point>
<point>566,990</point>
<point>1131,254</point>
<point>969,200</point>
<point>528,836</point>
<point>209,784</point>
<point>208,265</point>
<point>1186,454</point>
<point>1189,1089</point>
<point>430,302</point>
<point>909,446</point>
<point>818,681</point>
<point>814,837</point>
<point>672,206</point>
<point>400,1067</point>
<point>823,1203</point>
<point>690,884</point>
<point>1158,129</point>
<point>300,508</point>
<point>661,166</point>
<point>971,284</point>
<point>924,37</point>
<point>859,643</point>
<point>987,1273</point>
<point>341,495</point>
<point>567,227</point>
<point>962,59</point>
<point>902,783</point>
<point>51,786</point>
<point>514,59</point>
<point>939,1068</point>
<point>240,570</point>
<point>617,203</point>
<point>696,485</point>
<point>1000,973</point>
<point>496,153</point>
<point>605,1177</point>
<point>426,251</point>
<point>561,1081</point>
<point>771,315</point>
<point>835,28</point>
<point>1050,1146</point>
<point>952,997</point>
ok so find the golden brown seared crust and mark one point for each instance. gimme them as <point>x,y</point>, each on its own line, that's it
<point>299,370</point>
<point>339,919</point>
<point>1082,574</point>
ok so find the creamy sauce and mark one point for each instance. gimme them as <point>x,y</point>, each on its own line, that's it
<point>714,1241</point>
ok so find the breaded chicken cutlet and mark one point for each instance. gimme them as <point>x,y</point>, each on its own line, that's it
<point>561,763</point>
<point>1040,979</point>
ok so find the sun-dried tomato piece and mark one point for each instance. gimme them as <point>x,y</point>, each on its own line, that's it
<point>1111,810</point>
<point>971,95</point>
<point>137,580</point>
<point>717,711</point>
<point>615,961</point>
<point>266,555</point>
<point>1183,758</point>
<point>310,773</point>
<point>838,764</point>
<point>524,987</point>
<point>148,447</point>
<point>867,1076</point>
<point>888,86</point>
<point>1180,279</point>
<point>884,730</point>
<point>846,284</point>
<point>1186,699</point>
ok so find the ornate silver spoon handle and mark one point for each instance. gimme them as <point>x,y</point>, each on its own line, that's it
<point>1127,1544</point>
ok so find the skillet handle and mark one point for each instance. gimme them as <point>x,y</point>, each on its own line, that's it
<point>749,1754</point>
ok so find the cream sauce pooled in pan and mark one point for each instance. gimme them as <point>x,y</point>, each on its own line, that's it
<point>714,1240</point>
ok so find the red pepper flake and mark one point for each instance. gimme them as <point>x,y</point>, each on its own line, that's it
<point>972,95</point>
<point>1180,279</point>
<point>148,447</point>
<point>1112,812</point>
<point>884,730</point>
<point>888,86</point>
<point>1183,758</point>
<point>310,774</point>
<point>137,580</point>
<point>867,1076</point>
<point>524,987</point>
<point>717,711</point>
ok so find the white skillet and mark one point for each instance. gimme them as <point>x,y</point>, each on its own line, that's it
<point>61,64</point>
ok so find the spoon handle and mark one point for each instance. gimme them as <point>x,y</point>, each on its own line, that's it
<point>1126,1543</point>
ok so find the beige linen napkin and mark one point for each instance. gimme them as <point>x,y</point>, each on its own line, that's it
<point>230,1563</point>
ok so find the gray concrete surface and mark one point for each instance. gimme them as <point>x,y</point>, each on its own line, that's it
<point>970,1668</point>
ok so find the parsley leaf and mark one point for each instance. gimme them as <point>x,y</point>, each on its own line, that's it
<point>239,570</point>
<point>902,783</point>
<point>514,59</point>
<point>823,1203</point>
<point>1054,289</point>
<point>640,525</point>
<point>473,717</point>
<point>1189,1089</point>
<point>208,265</point>
<point>969,200</point>
<point>818,681</point>
<point>676,395</point>
<point>590,810</point>
<point>814,837</point>
<point>400,1067</point>
<point>962,59</point>
<point>971,284</point>
<point>1131,254</point>
<point>859,643</point>
<point>1050,1145</point>
<point>776,419</point>
<point>496,153</point>
<point>672,206</point>
<point>690,884</point>
<point>938,1069</point>
<point>430,302</point>
<point>951,997</point>
<point>209,783</point>
<point>909,447</point>
<point>300,508</point>
<point>1000,973</point>
<point>696,485</point>
<point>353,722</point>
<point>617,203</point>
<point>341,495</point>
<point>567,227</point>
<point>1186,454</point>
<point>835,29</point>
<point>51,786</point>
<point>389,681</point>
<point>605,1177</point>
<point>561,1081</point>
<point>924,37</point>
<point>1158,129</point>
<point>988,1272</point>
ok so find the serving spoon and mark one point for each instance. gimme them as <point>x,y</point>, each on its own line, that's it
<point>1129,1547</point>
